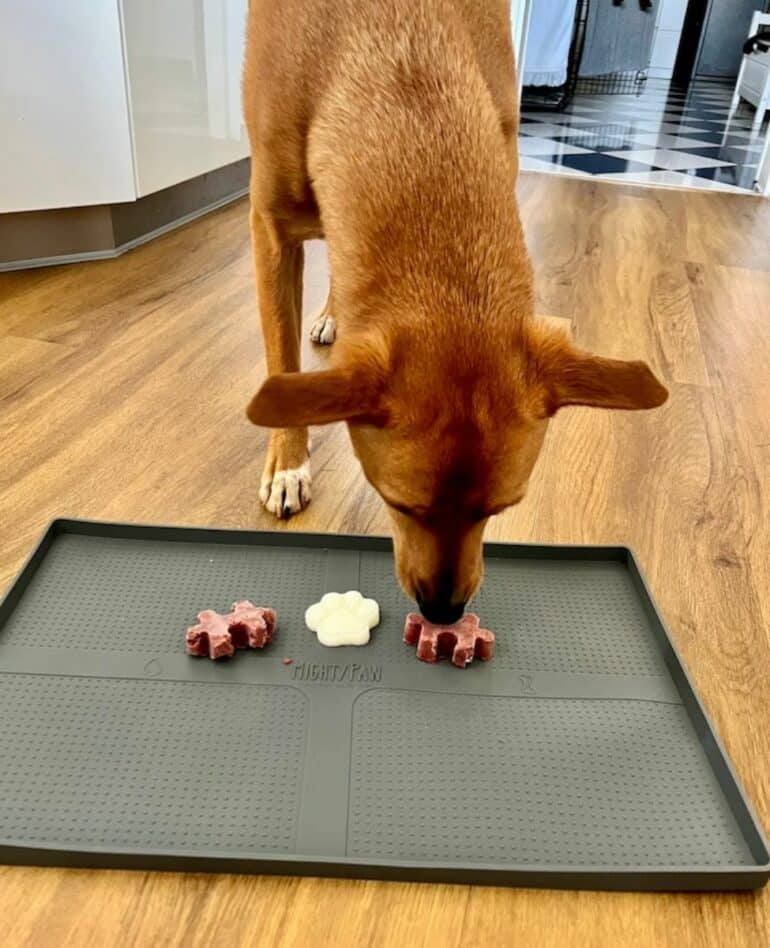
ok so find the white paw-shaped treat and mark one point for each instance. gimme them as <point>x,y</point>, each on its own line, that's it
<point>343,618</point>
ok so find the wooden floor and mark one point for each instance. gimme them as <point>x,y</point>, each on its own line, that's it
<point>122,388</point>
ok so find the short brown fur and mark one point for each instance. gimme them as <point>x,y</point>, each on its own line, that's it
<point>390,128</point>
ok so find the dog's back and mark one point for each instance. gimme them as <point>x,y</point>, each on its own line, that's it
<point>357,65</point>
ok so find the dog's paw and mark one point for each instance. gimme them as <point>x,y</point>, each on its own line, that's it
<point>285,488</point>
<point>343,618</point>
<point>286,492</point>
<point>324,329</point>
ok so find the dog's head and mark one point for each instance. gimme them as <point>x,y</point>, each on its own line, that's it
<point>449,437</point>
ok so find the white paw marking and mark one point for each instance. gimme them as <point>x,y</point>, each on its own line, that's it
<point>343,618</point>
<point>324,330</point>
<point>286,492</point>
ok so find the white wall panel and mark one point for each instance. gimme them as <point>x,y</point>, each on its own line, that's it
<point>665,49</point>
<point>668,32</point>
<point>671,16</point>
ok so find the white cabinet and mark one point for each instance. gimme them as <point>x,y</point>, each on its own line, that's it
<point>183,61</point>
<point>104,101</point>
<point>753,82</point>
<point>64,127</point>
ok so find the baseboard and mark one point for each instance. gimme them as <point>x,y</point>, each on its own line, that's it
<point>75,235</point>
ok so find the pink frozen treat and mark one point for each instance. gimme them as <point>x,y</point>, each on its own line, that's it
<point>462,641</point>
<point>218,636</point>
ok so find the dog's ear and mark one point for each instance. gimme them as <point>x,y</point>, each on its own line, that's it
<point>298,399</point>
<point>570,376</point>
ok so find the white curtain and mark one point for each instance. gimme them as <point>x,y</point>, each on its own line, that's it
<point>551,26</point>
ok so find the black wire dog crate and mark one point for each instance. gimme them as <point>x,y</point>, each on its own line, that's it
<point>557,98</point>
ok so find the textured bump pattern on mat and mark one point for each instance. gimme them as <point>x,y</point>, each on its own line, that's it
<point>150,764</point>
<point>140,596</point>
<point>534,781</point>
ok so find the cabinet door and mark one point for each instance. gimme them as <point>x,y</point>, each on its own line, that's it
<point>64,133</point>
<point>184,61</point>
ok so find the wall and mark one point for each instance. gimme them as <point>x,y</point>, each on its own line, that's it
<point>667,34</point>
<point>64,130</point>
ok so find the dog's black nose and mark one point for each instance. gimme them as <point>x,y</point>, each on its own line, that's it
<point>441,613</point>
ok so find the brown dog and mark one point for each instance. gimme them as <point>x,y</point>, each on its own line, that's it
<point>389,127</point>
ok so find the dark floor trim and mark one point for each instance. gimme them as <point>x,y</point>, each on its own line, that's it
<point>74,235</point>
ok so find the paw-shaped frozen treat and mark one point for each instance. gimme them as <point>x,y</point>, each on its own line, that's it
<point>343,618</point>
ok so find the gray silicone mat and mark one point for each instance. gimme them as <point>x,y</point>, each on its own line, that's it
<point>579,756</point>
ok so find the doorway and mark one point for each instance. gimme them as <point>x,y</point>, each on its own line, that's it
<point>638,124</point>
<point>689,43</point>
<point>713,35</point>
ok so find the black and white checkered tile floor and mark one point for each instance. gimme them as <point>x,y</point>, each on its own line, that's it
<point>665,136</point>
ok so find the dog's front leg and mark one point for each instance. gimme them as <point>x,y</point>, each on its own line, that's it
<point>285,485</point>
